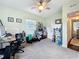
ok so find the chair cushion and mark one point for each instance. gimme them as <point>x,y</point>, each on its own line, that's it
<point>30,36</point>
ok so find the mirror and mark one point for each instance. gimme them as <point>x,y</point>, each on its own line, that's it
<point>75,29</point>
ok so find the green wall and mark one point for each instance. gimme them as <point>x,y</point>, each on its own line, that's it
<point>6,12</point>
<point>51,19</point>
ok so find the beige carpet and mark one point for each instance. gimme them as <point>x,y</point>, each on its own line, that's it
<point>46,49</point>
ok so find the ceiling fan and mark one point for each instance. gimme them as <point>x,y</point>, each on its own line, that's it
<point>41,4</point>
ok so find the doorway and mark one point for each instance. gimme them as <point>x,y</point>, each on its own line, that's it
<point>73,30</point>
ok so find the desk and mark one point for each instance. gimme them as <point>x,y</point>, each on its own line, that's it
<point>6,40</point>
<point>75,42</point>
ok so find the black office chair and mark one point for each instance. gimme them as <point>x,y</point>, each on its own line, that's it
<point>7,52</point>
<point>19,41</point>
<point>15,46</point>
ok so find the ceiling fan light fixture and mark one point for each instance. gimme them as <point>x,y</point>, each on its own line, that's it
<point>42,4</point>
<point>41,7</point>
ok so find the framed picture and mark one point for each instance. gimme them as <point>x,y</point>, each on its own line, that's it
<point>58,21</point>
<point>18,20</point>
<point>10,19</point>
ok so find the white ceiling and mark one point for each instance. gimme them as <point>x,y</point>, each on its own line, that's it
<point>26,5</point>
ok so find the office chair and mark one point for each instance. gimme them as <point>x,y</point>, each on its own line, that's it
<point>15,45</point>
<point>19,41</point>
<point>7,53</point>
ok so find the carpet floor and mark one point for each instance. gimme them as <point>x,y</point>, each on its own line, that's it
<point>46,49</point>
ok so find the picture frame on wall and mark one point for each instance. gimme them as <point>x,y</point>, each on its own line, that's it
<point>10,19</point>
<point>18,20</point>
<point>58,21</point>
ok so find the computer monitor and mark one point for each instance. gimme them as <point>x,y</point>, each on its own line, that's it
<point>2,29</point>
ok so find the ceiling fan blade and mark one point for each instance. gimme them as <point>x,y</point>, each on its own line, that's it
<point>47,8</point>
<point>44,4</point>
<point>33,7</point>
<point>47,1</point>
<point>41,1</point>
<point>38,4</point>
